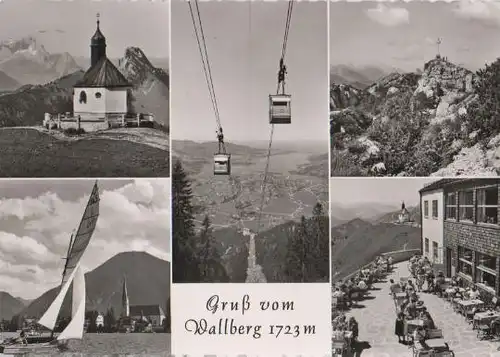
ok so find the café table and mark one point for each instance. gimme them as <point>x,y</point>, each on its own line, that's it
<point>485,318</point>
<point>437,344</point>
<point>468,305</point>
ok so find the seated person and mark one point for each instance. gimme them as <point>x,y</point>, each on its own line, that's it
<point>22,338</point>
<point>411,310</point>
<point>419,336</point>
<point>428,321</point>
<point>337,293</point>
<point>474,294</point>
<point>362,285</point>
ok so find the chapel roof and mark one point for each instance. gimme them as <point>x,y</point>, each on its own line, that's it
<point>103,74</point>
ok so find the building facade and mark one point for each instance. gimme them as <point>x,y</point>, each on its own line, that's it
<point>152,313</point>
<point>471,231</point>
<point>432,214</point>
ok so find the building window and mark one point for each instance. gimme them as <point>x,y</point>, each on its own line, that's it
<point>98,95</point>
<point>427,245</point>
<point>426,208</point>
<point>451,206</point>
<point>435,252</point>
<point>486,267</point>
<point>466,205</point>
<point>83,97</point>
<point>487,205</point>
<point>465,261</point>
<point>434,209</point>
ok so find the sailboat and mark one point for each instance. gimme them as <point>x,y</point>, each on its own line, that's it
<point>72,273</point>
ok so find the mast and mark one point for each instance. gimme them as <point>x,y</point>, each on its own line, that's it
<point>64,271</point>
<point>67,255</point>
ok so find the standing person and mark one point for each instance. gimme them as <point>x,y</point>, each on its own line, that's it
<point>399,328</point>
<point>354,328</point>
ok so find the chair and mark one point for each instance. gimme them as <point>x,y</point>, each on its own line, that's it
<point>434,333</point>
<point>339,347</point>
<point>443,354</point>
<point>485,331</point>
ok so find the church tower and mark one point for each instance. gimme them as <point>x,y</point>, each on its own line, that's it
<point>403,207</point>
<point>125,301</point>
<point>97,45</point>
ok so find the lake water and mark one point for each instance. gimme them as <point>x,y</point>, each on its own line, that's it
<point>114,344</point>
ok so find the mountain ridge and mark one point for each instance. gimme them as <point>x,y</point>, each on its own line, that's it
<point>104,284</point>
<point>412,124</point>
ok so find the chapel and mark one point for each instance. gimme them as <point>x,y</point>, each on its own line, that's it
<point>404,215</point>
<point>103,92</point>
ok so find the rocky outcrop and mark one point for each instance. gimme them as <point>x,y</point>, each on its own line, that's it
<point>432,100</point>
<point>151,85</point>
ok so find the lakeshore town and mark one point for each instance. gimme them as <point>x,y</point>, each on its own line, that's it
<point>131,318</point>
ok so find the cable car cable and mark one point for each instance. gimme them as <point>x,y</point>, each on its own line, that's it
<point>282,71</point>
<point>202,47</point>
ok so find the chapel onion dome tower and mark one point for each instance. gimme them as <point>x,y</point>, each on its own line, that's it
<point>97,45</point>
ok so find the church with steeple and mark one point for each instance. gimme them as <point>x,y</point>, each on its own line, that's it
<point>102,94</point>
<point>404,215</point>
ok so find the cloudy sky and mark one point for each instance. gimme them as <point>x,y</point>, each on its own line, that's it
<point>38,217</point>
<point>244,41</point>
<point>67,26</point>
<point>404,34</point>
<point>390,191</point>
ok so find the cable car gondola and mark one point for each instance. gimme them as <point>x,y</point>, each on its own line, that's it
<point>280,109</point>
<point>222,164</point>
<point>222,160</point>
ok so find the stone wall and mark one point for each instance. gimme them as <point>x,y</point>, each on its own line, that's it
<point>88,126</point>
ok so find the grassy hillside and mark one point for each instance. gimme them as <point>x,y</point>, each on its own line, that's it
<point>364,244</point>
<point>104,285</point>
<point>31,153</point>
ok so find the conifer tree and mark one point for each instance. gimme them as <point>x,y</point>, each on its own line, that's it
<point>210,262</point>
<point>320,259</point>
<point>295,265</point>
<point>183,228</point>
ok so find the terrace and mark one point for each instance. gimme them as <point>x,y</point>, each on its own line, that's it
<point>376,315</point>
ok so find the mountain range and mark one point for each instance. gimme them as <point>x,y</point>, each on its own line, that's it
<point>411,124</point>
<point>369,212</point>
<point>104,287</point>
<point>34,82</point>
<point>359,77</point>
<point>357,242</point>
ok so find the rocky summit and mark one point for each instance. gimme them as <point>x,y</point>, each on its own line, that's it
<point>429,122</point>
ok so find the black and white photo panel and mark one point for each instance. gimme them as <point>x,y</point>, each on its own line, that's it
<point>74,255</point>
<point>250,221</point>
<point>84,92</point>
<point>413,88</point>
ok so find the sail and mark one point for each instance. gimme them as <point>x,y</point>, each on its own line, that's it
<point>74,330</point>
<point>50,317</point>
<point>82,236</point>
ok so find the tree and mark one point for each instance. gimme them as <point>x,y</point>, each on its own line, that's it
<point>183,228</point>
<point>319,257</point>
<point>210,261</point>
<point>109,320</point>
<point>91,316</point>
<point>167,320</point>
<point>295,263</point>
<point>483,115</point>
